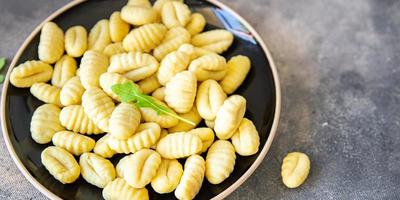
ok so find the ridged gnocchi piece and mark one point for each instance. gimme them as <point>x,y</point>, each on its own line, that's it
<point>206,135</point>
<point>165,121</point>
<point>139,15</point>
<point>144,38</point>
<point>180,92</point>
<point>295,169</point>
<point>209,99</point>
<point>124,121</point>
<point>179,145</point>
<point>30,72</point>
<point>217,41</point>
<point>144,3</point>
<point>209,66</point>
<point>246,139</point>
<point>64,70</point>
<point>76,39</point>
<point>96,170</point>
<point>102,148</point>
<point>196,24</point>
<point>210,123</point>
<point>141,168</point>
<point>192,178</point>
<point>238,68</point>
<point>199,52</point>
<point>51,45</point>
<point>45,123</point>
<point>61,164</point>
<point>98,107</point>
<point>120,167</point>
<point>73,142</point>
<point>147,134</point>
<point>114,49</point>
<point>172,64</point>
<point>192,115</point>
<point>229,116</point>
<point>72,91</point>
<point>108,79</point>
<point>46,93</point>
<point>162,135</point>
<point>93,64</point>
<point>149,84</point>
<point>159,94</point>
<point>174,38</point>
<point>118,189</point>
<point>220,161</point>
<point>134,65</point>
<point>99,36</point>
<point>118,27</point>
<point>74,119</point>
<point>160,3</point>
<point>168,175</point>
<point>175,13</point>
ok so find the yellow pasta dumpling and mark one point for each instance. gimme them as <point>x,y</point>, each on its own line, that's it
<point>246,139</point>
<point>295,169</point>
<point>124,120</point>
<point>180,92</point>
<point>149,84</point>
<point>174,38</point>
<point>209,99</point>
<point>134,65</point>
<point>168,175</point>
<point>118,189</point>
<point>229,116</point>
<point>61,164</point>
<point>118,27</point>
<point>210,123</point>
<point>209,66</point>
<point>141,168</point>
<point>76,41</point>
<point>96,170</point>
<point>74,119</point>
<point>72,91</point>
<point>108,79</point>
<point>172,64</point>
<point>162,135</point>
<point>120,167</point>
<point>193,116</point>
<point>139,15</point>
<point>64,70</point>
<point>73,142</point>
<point>192,178</point>
<point>238,68</point>
<point>206,135</point>
<point>159,94</point>
<point>165,121</point>
<point>160,3</point>
<point>51,45</point>
<point>99,36</point>
<point>45,123</point>
<point>175,13</point>
<point>220,161</point>
<point>102,148</point>
<point>46,93</point>
<point>199,52</point>
<point>196,24</point>
<point>144,38</point>
<point>113,49</point>
<point>179,145</point>
<point>98,107</point>
<point>144,3</point>
<point>147,134</point>
<point>93,64</point>
<point>217,41</point>
<point>30,72</point>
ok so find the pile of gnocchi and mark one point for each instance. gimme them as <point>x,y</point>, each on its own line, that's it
<point>162,50</point>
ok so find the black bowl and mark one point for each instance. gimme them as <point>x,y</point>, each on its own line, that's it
<point>261,89</point>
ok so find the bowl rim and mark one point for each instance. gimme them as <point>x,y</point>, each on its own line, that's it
<point>72,4</point>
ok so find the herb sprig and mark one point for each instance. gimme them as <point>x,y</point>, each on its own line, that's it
<point>2,64</point>
<point>128,92</point>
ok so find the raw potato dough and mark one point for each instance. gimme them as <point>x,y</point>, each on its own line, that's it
<point>189,144</point>
<point>46,93</point>
<point>180,92</point>
<point>168,175</point>
<point>216,41</point>
<point>238,68</point>
<point>96,170</point>
<point>31,72</point>
<point>73,142</point>
<point>76,41</point>
<point>120,190</point>
<point>99,36</point>
<point>124,120</point>
<point>229,116</point>
<point>295,169</point>
<point>51,45</point>
<point>192,178</point>
<point>98,107</point>
<point>102,148</point>
<point>45,123</point>
<point>74,119</point>
<point>246,139</point>
<point>144,38</point>
<point>220,161</point>
<point>72,91</point>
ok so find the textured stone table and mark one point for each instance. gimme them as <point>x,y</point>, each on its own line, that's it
<point>338,62</point>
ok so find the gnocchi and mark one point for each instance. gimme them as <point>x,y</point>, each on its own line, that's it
<point>144,3</point>
<point>193,116</point>
<point>73,142</point>
<point>149,84</point>
<point>118,189</point>
<point>172,64</point>
<point>98,107</point>
<point>209,66</point>
<point>99,36</point>
<point>238,68</point>
<point>113,49</point>
<point>196,24</point>
<point>220,161</point>
<point>160,3</point>
<point>96,170</point>
<point>74,118</point>
<point>64,70</point>
<point>159,94</point>
<point>108,79</point>
<point>72,91</point>
<point>180,92</point>
<point>216,41</point>
<point>118,27</point>
<point>93,64</point>
<point>45,123</point>
<point>139,15</point>
<point>175,13</point>
<point>61,164</point>
<point>51,45</point>
<point>144,38</point>
<point>168,175</point>
<point>192,178</point>
<point>209,99</point>
<point>165,121</point>
<point>76,41</point>
<point>174,38</point>
<point>46,93</point>
<point>179,145</point>
<point>206,136</point>
<point>229,116</point>
<point>31,72</point>
<point>124,120</point>
<point>295,169</point>
<point>102,148</point>
<point>246,139</point>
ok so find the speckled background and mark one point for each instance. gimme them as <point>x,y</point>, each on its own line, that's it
<point>338,64</point>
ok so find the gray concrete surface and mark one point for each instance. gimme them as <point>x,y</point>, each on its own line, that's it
<point>338,63</point>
